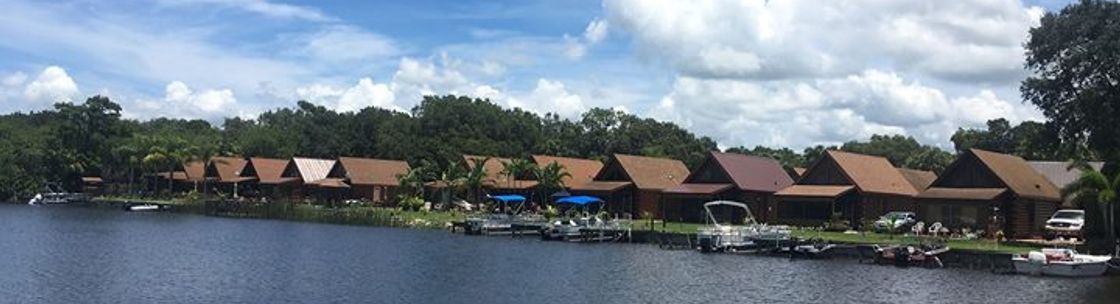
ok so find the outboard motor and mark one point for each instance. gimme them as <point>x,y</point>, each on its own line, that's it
<point>902,256</point>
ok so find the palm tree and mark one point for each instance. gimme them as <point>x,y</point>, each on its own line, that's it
<point>550,178</point>
<point>412,181</point>
<point>1099,188</point>
<point>476,177</point>
<point>515,168</point>
<point>130,154</point>
<point>452,179</point>
<point>169,153</point>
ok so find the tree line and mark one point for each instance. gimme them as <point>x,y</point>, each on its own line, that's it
<point>91,139</point>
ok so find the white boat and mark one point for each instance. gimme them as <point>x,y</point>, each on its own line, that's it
<point>51,198</point>
<point>579,227</point>
<point>144,207</point>
<point>1061,263</point>
<point>719,237</point>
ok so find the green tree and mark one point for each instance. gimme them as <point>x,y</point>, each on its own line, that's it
<point>1075,66</point>
<point>476,178</point>
<point>516,168</point>
<point>1094,187</point>
<point>550,179</point>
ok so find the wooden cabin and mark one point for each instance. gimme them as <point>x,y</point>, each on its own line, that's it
<point>375,180</point>
<point>633,184</point>
<point>311,174</point>
<point>858,187</point>
<point>727,176</point>
<point>267,174</point>
<point>92,185</point>
<point>188,176</point>
<point>978,183</point>
<point>223,174</point>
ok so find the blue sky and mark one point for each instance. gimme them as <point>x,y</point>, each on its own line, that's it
<point>742,72</point>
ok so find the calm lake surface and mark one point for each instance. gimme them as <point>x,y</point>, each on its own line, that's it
<point>78,255</point>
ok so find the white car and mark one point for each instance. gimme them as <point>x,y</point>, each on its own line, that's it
<point>1065,223</point>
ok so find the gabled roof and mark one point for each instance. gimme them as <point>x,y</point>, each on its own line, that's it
<point>1017,175</point>
<point>918,178</point>
<point>1059,173</point>
<point>871,174</point>
<point>267,170</point>
<point>194,170</point>
<point>225,169</point>
<point>581,170</point>
<point>652,173</point>
<point>750,173</point>
<point>372,172</point>
<point>310,170</point>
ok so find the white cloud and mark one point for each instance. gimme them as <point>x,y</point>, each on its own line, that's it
<point>364,94</point>
<point>596,31</point>
<point>550,97</point>
<point>53,85</point>
<point>575,48</point>
<point>952,40</point>
<point>346,44</point>
<point>14,80</point>
<point>800,113</point>
<point>263,7</point>
<point>180,101</point>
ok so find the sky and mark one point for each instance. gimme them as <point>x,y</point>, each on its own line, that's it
<point>780,73</point>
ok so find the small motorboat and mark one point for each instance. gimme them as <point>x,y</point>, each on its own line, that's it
<point>720,237</point>
<point>144,207</point>
<point>1061,262</point>
<point>905,256</point>
<point>810,251</point>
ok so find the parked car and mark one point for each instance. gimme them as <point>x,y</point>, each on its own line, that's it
<point>895,221</point>
<point>1065,223</point>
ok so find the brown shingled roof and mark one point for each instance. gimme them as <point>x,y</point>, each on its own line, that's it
<point>225,169</point>
<point>979,194</point>
<point>372,172</point>
<point>872,174</point>
<point>1019,176</point>
<point>752,173</point>
<point>581,170</point>
<point>823,191</point>
<point>652,173</point>
<point>918,178</point>
<point>267,170</point>
<point>707,189</point>
<point>194,170</point>
<point>605,186</point>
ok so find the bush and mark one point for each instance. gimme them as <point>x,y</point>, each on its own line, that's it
<point>411,203</point>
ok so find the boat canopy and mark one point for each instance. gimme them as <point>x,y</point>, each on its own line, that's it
<point>508,198</point>
<point>579,200</point>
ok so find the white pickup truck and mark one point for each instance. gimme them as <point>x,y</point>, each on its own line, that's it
<point>1065,223</point>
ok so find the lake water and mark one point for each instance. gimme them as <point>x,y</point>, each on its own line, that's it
<point>77,255</point>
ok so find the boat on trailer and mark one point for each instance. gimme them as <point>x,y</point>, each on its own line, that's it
<point>1061,262</point>
<point>751,235</point>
